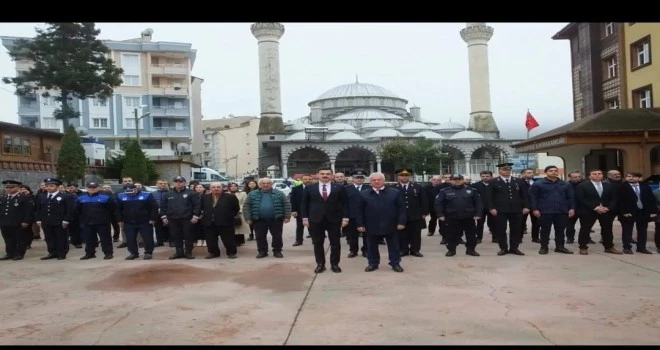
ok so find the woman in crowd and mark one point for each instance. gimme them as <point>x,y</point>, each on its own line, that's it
<point>197,228</point>
<point>25,190</point>
<point>249,186</point>
<point>242,228</point>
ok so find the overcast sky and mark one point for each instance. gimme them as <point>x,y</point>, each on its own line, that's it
<point>425,63</point>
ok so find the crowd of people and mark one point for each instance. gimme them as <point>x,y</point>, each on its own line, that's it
<point>332,206</point>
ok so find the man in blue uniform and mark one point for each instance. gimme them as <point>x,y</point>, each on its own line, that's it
<point>137,212</point>
<point>97,211</point>
<point>459,206</point>
<point>54,212</point>
<point>353,191</point>
<point>15,217</point>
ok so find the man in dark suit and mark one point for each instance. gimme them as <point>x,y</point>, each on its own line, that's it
<point>596,201</point>
<point>527,179</point>
<point>636,207</point>
<point>507,200</point>
<point>54,212</point>
<point>484,218</point>
<point>382,213</point>
<point>354,201</point>
<point>16,214</point>
<point>417,208</point>
<point>295,198</point>
<point>324,208</point>
<point>431,190</point>
<point>219,209</point>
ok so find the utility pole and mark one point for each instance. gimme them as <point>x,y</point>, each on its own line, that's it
<point>137,126</point>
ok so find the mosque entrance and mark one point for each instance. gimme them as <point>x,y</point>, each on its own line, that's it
<point>353,158</point>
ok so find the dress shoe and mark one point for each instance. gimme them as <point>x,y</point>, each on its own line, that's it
<point>443,242</point>
<point>335,268</point>
<point>147,256</point>
<point>563,250</point>
<point>190,256</point>
<point>319,268</point>
<point>570,241</point>
<point>20,257</point>
<point>262,255</point>
<point>352,254</point>
<point>502,252</point>
<point>132,257</point>
<point>612,251</point>
<point>430,234</point>
<point>472,252</point>
<point>176,256</point>
<point>417,254</point>
<point>627,251</point>
<point>159,244</point>
<point>278,255</point>
<point>61,257</point>
<point>297,243</point>
<point>644,251</point>
<point>49,256</point>
<point>461,241</point>
<point>123,245</point>
<point>370,268</point>
<point>543,250</point>
<point>397,268</point>
<point>108,257</point>
<point>231,256</point>
<point>405,253</point>
<point>211,256</point>
<point>78,246</point>
<point>584,251</point>
<point>494,240</point>
<point>633,241</point>
<point>536,240</point>
<point>451,253</point>
<point>6,257</point>
<point>591,241</point>
<point>517,252</point>
<point>88,256</point>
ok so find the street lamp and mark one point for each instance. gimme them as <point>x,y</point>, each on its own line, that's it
<point>137,121</point>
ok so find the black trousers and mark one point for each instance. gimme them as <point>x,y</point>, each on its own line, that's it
<point>513,221</point>
<point>433,223</point>
<point>300,229</point>
<point>162,231</point>
<point>227,235</point>
<point>116,230</point>
<point>373,249</point>
<point>261,229</point>
<point>638,220</point>
<point>570,228</point>
<point>57,240</point>
<point>456,228</point>
<point>145,231</point>
<point>486,219</point>
<point>92,235</point>
<point>536,225</point>
<point>75,232</point>
<point>587,221</point>
<point>181,232</point>
<point>410,238</point>
<point>547,222</point>
<point>318,230</point>
<point>16,240</point>
<point>353,237</point>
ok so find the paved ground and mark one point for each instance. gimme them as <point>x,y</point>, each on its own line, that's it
<point>532,299</point>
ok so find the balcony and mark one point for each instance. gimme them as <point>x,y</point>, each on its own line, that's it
<point>170,111</point>
<point>28,109</point>
<point>169,90</point>
<point>170,131</point>
<point>168,69</point>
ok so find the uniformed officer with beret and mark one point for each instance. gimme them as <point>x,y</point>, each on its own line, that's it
<point>15,216</point>
<point>417,208</point>
<point>54,213</point>
<point>507,201</point>
<point>354,201</point>
<point>459,206</point>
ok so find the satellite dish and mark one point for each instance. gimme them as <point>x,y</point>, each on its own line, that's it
<point>147,32</point>
<point>183,147</point>
<point>82,130</point>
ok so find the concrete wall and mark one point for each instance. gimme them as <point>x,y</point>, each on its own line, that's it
<point>168,170</point>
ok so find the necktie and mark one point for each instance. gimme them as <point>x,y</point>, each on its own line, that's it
<point>359,188</point>
<point>639,201</point>
<point>599,188</point>
<point>507,180</point>
<point>50,196</point>
<point>405,188</point>
<point>325,193</point>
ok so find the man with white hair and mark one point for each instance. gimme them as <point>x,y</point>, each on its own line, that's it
<point>267,210</point>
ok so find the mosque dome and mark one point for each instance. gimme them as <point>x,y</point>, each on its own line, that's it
<point>429,135</point>
<point>367,114</point>
<point>413,126</point>
<point>377,124</point>
<point>467,135</point>
<point>385,133</point>
<point>357,89</point>
<point>449,126</point>
<point>341,127</point>
<point>345,136</point>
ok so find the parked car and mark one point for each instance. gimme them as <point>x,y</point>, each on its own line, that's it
<point>281,186</point>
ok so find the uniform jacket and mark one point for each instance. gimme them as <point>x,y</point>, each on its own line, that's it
<point>96,209</point>
<point>354,199</point>
<point>415,199</point>
<point>61,207</point>
<point>461,202</point>
<point>136,209</point>
<point>17,210</point>
<point>509,198</point>
<point>380,213</point>
<point>182,204</point>
<point>482,189</point>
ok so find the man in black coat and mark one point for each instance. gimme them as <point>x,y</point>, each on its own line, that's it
<point>596,201</point>
<point>295,198</point>
<point>417,208</point>
<point>527,179</point>
<point>16,213</point>
<point>636,207</point>
<point>54,212</point>
<point>432,189</point>
<point>354,201</point>
<point>507,200</point>
<point>484,218</point>
<point>218,212</point>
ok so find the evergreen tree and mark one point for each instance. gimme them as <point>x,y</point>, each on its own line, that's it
<point>71,160</point>
<point>135,163</point>
<point>69,58</point>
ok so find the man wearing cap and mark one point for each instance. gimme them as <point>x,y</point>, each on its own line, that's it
<point>75,228</point>
<point>459,206</point>
<point>15,217</point>
<point>417,208</point>
<point>54,213</point>
<point>354,201</point>
<point>180,209</point>
<point>97,211</point>
<point>507,200</point>
<point>552,203</point>
<point>136,213</point>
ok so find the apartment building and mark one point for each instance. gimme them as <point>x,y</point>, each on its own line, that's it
<point>231,145</point>
<point>641,42</point>
<point>157,85</point>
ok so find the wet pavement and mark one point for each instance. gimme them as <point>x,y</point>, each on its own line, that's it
<point>533,299</point>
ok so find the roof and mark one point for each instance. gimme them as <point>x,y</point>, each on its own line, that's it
<point>567,32</point>
<point>609,121</point>
<point>28,130</point>
<point>367,114</point>
<point>357,89</point>
<point>226,123</point>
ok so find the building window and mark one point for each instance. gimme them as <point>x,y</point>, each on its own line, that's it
<point>99,123</point>
<point>152,144</point>
<point>16,145</point>
<point>48,101</point>
<point>642,97</point>
<point>612,103</point>
<point>610,67</point>
<point>130,80</point>
<point>641,53</point>
<point>49,123</point>
<point>608,29</point>
<point>99,103</point>
<point>130,63</point>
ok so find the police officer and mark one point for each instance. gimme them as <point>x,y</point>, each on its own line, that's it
<point>459,206</point>
<point>417,208</point>
<point>180,209</point>
<point>15,217</point>
<point>54,213</point>
<point>507,200</point>
<point>75,229</point>
<point>136,213</point>
<point>354,201</point>
<point>97,211</point>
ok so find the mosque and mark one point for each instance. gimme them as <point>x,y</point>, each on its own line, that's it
<point>348,123</point>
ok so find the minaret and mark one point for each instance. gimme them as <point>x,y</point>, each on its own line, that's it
<point>268,35</point>
<point>477,35</point>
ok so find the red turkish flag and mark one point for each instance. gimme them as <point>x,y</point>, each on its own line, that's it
<point>530,122</point>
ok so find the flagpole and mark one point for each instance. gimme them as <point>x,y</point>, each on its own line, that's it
<point>527,161</point>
